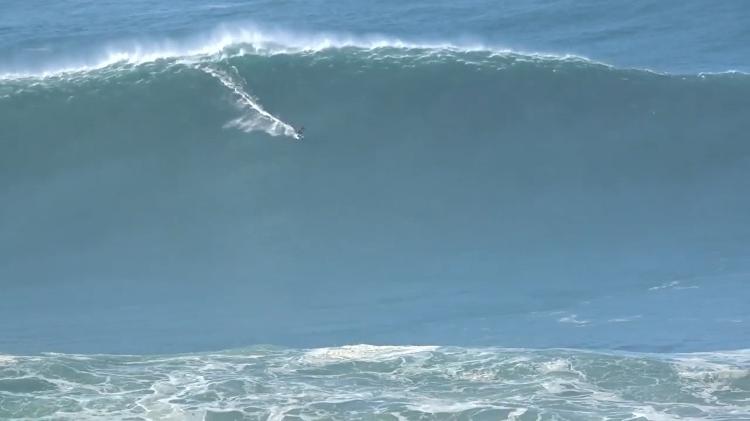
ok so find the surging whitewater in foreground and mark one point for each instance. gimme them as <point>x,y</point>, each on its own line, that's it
<point>372,382</point>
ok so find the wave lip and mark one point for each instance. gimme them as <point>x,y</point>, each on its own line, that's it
<point>249,39</point>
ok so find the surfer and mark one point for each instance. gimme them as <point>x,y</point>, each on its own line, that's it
<point>300,133</point>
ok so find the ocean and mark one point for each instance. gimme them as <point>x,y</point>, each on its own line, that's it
<point>521,210</point>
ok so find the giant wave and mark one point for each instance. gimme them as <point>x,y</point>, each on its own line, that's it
<point>491,186</point>
<point>220,54</point>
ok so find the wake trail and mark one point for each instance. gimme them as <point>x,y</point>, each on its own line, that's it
<point>257,117</point>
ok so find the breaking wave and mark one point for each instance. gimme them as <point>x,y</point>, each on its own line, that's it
<point>428,168</point>
<point>243,40</point>
<point>231,56</point>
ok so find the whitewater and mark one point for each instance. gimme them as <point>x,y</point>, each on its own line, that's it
<point>221,44</point>
<point>378,382</point>
<point>525,211</point>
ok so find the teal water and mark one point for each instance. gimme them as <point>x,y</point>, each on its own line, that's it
<point>385,383</point>
<point>532,210</point>
<point>441,196</point>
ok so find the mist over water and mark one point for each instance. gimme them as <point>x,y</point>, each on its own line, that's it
<point>669,36</point>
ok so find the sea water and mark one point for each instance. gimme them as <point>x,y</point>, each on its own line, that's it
<point>525,209</point>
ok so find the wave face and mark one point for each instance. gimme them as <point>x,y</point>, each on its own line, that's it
<point>440,195</point>
<point>370,382</point>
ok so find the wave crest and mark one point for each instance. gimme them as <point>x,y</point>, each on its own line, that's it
<point>248,39</point>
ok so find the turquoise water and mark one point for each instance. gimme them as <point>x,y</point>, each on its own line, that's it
<point>532,210</point>
<point>385,383</point>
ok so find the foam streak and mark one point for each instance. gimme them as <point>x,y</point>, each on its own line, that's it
<point>257,118</point>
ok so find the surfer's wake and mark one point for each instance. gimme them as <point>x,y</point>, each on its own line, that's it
<point>256,118</point>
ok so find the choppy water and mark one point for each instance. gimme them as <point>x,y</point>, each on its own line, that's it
<point>386,383</point>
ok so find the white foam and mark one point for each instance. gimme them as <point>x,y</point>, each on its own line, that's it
<point>673,285</point>
<point>708,373</point>
<point>697,368</point>
<point>7,360</point>
<point>434,406</point>
<point>254,40</point>
<point>363,353</point>
<point>189,386</point>
<point>559,365</point>
<point>664,286</point>
<point>256,118</point>
<point>573,319</point>
<point>555,386</point>
<point>625,319</point>
<point>514,414</point>
<point>729,320</point>
<point>651,414</point>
